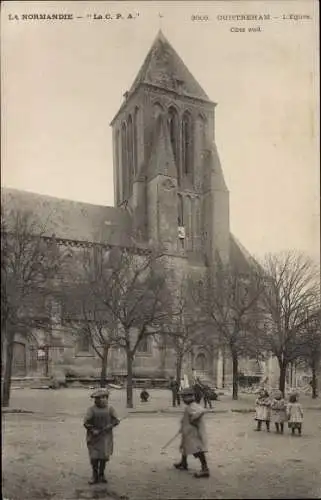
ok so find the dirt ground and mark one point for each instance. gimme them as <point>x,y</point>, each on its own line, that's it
<point>45,455</point>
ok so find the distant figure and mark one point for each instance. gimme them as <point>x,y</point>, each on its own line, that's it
<point>278,415</point>
<point>144,396</point>
<point>294,414</point>
<point>198,391</point>
<point>207,394</point>
<point>174,387</point>
<point>263,410</point>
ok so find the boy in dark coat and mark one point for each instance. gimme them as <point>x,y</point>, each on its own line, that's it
<point>193,441</point>
<point>99,421</point>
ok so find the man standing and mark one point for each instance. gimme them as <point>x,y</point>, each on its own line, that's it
<point>198,391</point>
<point>174,387</point>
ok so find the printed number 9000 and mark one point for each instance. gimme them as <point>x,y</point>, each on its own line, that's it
<point>199,18</point>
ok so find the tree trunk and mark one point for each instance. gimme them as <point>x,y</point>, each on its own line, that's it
<point>129,389</point>
<point>283,366</point>
<point>314,382</point>
<point>179,363</point>
<point>235,363</point>
<point>6,384</point>
<point>103,371</point>
<point>223,368</point>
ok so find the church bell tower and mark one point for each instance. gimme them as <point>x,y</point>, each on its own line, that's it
<point>166,167</point>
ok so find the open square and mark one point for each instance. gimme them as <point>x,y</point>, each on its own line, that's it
<point>45,454</point>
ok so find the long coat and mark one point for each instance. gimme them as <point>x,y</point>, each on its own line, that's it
<point>100,447</point>
<point>263,409</point>
<point>278,414</point>
<point>193,430</point>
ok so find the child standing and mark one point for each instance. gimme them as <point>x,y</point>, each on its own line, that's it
<point>193,440</point>
<point>99,422</point>
<point>294,414</point>
<point>263,410</point>
<point>278,408</point>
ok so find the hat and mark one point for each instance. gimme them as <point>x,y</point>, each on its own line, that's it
<point>100,393</point>
<point>189,391</point>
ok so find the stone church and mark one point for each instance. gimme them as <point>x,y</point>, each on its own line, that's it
<point>169,188</point>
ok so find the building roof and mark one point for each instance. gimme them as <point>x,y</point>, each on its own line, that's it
<point>240,258</point>
<point>70,220</point>
<point>164,68</point>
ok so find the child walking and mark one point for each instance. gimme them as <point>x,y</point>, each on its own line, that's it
<point>278,415</point>
<point>99,421</point>
<point>263,410</point>
<point>193,435</point>
<point>294,414</point>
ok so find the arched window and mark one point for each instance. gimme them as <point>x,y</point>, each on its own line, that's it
<point>157,110</point>
<point>143,346</point>
<point>180,210</point>
<point>135,122</point>
<point>117,149</point>
<point>202,129</point>
<point>130,149</point>
<point>188,222</point>
<point>187,143</point>
<point>173,130</point>
<point>124,160</point>
<point>116,171</point>
<point>197,222</point>
<point>200,362</point>
<point>19,365</point>
<point>83,344</point>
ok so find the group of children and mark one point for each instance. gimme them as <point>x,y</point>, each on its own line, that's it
<point>276,410</point>
<point>101,418</point>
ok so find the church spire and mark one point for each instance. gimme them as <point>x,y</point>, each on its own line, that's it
<point>164,69</point>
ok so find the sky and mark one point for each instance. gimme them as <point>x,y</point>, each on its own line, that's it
<point>63,82</point>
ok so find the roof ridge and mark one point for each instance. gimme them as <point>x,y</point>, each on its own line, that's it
<point>5,189</point>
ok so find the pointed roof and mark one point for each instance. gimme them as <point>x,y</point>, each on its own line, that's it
<point>164,68</point>
<point>240,257</point>
<point>161,161</point>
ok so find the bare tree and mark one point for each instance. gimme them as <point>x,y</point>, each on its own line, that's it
<point>128,287</point>
<point>29,261</point>
<point>90,319</point>
<point>182,327</point>
<point>310,339</point>
<point>292,289</point>
<point>231,305</point>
